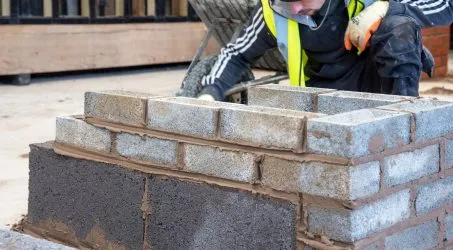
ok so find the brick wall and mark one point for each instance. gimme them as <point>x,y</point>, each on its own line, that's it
<point>334,169</point>
<point>437,40</point>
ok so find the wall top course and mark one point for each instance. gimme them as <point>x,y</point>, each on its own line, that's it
<point>358,117</point>
<point>368,96</point>
<point>293,88</point>
<point>419,105</point>
<point>126,93</point>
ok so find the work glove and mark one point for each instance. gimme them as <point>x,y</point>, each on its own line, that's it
<point>206,97</point>
<point>364,24</point>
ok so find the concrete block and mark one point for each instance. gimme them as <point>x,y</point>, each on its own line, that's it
<point>449,226</point>
<point>321,179</point>
<point>358,133</point>
<point>263,127</point>
<point>350,226</point>
<point>149,149</point>
<point>345,101</point>
<point>232,165</point>
<point>80,134</point>
<point>10,240</point>
<point>435,195</point>
<point>407,166</point>
<point>285,97</point>
<point>449,154</point>
<point>183,116</point>
<point>95,203</point>
<point>188,215</point>
<point>420,237</point>
<point>373,246</point>
<point>432,117</point>
<point>117,106</point>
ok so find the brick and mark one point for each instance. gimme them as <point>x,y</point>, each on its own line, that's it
<point>407,166</point>
<point>117,106</point>
<point>263,127</point>
<point>181,116</point>
<point>188,215</point>
<point>424,236</point>
<point>345,101</point>
<point>285,97</point>
<point>80,134</point>
<point>358,133</point>
<point>432,117</point>
<point>11,240</point>
<point>350,226</point>
<point>326,180</point>
<point>449,154</point>
<point>449,226</point>
<point>149,149</point>
<point>95,203</point>
<point>232,165</point>
<point>435,195</point>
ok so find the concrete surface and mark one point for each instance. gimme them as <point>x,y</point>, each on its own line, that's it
<point>10,240</point>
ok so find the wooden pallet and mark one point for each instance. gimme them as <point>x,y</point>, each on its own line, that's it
<point>83,47</point>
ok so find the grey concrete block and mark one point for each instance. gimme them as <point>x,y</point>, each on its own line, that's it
<point>321,179</point>
<point>435,195</point>
<point>285,97</point>
<point>407,166</point>
<point>432,117</point>
<point>80,134</point>
<point>10,240</point>
<point>345,101</point>
<point>187,215</point>
<point>91,202</point>
<point>350,226</point>
<point>232,165</point>
<point>358,133</point>
<point>263,127</point>
<point>183,116</point>
<point>449,226</point>
<point>117,106</point>
<point>420,237</point>
<point>449,154</point>
<point>145,148</point>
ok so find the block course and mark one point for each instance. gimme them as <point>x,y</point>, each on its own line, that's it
<point>372,174</point>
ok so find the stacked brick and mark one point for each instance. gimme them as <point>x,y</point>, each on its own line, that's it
<point>296,168</point>
<point>437,40</point>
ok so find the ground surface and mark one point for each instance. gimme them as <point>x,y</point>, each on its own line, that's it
<point>27,115</point>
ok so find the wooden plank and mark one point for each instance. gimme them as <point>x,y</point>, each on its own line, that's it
<point>47,8</point>
<point>151,7</point>
<point>138,7</point>
<point>179,7</point>
<point>183,7</point>
<point>6,7</point>
<point>85,7</point>
<point>110,8</point>
<point>119,7</point>
<point>82,47</point>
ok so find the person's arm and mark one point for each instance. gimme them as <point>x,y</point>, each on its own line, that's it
<point>426,13</point>
<point>251,44</point>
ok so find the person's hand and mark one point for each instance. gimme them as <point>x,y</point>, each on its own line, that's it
<point>206,97</point>
<point>362,26</point>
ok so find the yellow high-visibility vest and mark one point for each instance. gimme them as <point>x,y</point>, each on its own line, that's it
<point>287,33</point>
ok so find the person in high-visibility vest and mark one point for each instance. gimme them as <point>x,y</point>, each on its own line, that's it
<point>357,45</point>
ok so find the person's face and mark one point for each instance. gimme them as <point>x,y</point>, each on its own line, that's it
<point>306,7</point>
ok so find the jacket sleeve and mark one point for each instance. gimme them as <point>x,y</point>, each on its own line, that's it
<point>427,13</point>
<point>251,44</point>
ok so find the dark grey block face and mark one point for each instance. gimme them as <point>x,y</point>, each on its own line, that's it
<point>187,215</point>
<point>85,195</point>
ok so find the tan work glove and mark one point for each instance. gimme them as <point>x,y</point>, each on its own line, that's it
<point>362,26</point>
